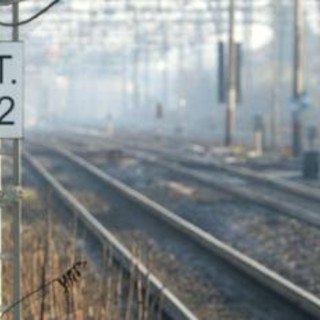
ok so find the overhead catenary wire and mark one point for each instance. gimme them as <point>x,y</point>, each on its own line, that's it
<point>35,16</point>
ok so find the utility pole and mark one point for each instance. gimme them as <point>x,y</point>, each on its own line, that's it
<point>221,62</point>
<point>238,72</point>
<point>221,73</point>
<point>298,83</point>
<point>136,88</point>
<point>181,89</point>
<point>164,71</point>
<point>231,98</point>
<point>274,132</point>
<point>199,41</point>
<point>146,78</point>
<point>124,84</point>
<point>18,202</point>
<point>135,78</point>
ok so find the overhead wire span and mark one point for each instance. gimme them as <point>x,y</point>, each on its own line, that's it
<point>35,16</point>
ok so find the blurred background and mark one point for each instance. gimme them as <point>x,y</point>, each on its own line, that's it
<point>153,65</point>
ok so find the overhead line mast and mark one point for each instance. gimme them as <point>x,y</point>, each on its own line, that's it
<point>232,94</point>
<point>298,81</point>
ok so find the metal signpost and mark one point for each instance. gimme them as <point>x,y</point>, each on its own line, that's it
<point>17,166</point>
<point>11,127</point>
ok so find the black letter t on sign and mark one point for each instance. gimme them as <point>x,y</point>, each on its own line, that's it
<point>1,66</point>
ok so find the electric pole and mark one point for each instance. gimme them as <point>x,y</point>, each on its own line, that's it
<point>231,97</point>
<point>274,132</point>
<point>164,66</point>
<point>135,64</point>
<point>298,84</point>
<point>147,99</point>
<point>221,73</point>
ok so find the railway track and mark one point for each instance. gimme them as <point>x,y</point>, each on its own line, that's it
<point>265,277</point>
<point>287,198</point>
<point>280,242</point>
<point>171,306</point>
<point>284,197</point>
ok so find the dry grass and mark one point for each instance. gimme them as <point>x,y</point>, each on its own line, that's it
<point>101,291</point>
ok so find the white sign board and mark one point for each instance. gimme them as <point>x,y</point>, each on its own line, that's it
<point>11,90</point>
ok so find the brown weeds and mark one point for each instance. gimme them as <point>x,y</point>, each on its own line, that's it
<point>58,283</point>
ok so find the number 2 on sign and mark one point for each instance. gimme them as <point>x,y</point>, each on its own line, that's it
<point>8,104</point>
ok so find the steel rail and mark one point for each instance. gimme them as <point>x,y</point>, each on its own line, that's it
<point>305,215</point>
<point>173,308</point>
<point>302,214</point>
<point>269,279</point>
<point>282,185</point>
